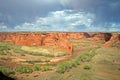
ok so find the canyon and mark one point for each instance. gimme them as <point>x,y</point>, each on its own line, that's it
<point>39,55</point>
<point>60,40</point>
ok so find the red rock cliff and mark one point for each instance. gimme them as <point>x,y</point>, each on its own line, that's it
<point>102,37</point>
<point>55,40</point>
<point>114,41</point>
<point>77,35</point>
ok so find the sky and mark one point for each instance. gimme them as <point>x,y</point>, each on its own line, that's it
<point>60,15</point>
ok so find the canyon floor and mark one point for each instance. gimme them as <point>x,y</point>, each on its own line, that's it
<point>91,60</point>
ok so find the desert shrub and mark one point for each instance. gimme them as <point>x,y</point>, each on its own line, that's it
<point>40,54</point>
<point>85,78</point>
<point>62,67</point>
<point>87,55</point>
<point>45,68</point>
<point>6,70</point>
<point>65,66</point>
<point>62,54</point>
<point>84,57</point>
<point>47,55</point>
<point>6,59</point>
<point>17,49</point>
<point>34,61</point>
<point>37,68</point>
<point>24,69</point>
<point>4,48</point>
<point>74,62</point>
<point>2,52</point>
<point>87,67</point>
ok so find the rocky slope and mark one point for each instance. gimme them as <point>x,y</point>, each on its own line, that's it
<point>114,41</point>
<point>102,37</point>
<point>56,39</point>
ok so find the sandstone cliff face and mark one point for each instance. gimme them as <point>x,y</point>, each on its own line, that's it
<point>77,35</point>
<point>54,40</point>
<point>102,37</point>
<point>28,39</point>
<point>58,40</point>
<point>5,37</point>
<point>114,41</point>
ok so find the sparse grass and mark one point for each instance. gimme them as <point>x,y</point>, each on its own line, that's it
<point>62,67</point>
<point>62,54</point>
<point>66,65</point>
<point>40,54</point>
<point>85,78</point>
<point>42,68</point>
<point>30,69</point>
<point>6,70</point>
<point>34,61</point>
<point>24,69</point>
<point>87,66</point>
<point>45,68</point>
<point>43,51</point>
<point>36,51</point>
<point>37,67</point>
<point>4,49</point>
<point>84,57</point>
<point>6,59</point>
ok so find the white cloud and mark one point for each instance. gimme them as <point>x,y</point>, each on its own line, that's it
<point>65,20</point>
<point>3,27</point>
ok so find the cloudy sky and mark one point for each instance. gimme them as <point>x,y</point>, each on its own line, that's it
<point>60,15</point>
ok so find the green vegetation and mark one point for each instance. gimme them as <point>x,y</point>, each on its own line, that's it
<point>24,69</point>
<point>87,66</point>
<point>37,67</point>
<point>45,68</point>
<point>66,65</point>
<point>41,68</point>
<point>40,54</point>
<point>62,54</point>
<point>85,78</point>
<point>33,61</point>
<point>4,48</point>
<point>84,57</point>
<point>62,67</point>
<point>36,51</point>
<point>30,69</point>
<point>6,59</point>
<point>44,51</point>
<point>6,70</point>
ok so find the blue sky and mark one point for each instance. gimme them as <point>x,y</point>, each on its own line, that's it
<point>60,15</point>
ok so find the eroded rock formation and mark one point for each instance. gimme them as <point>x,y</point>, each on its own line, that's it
<point>102,37</point>
<point>114,41</point>
<point>77,35</point>
<point>56,39</point>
